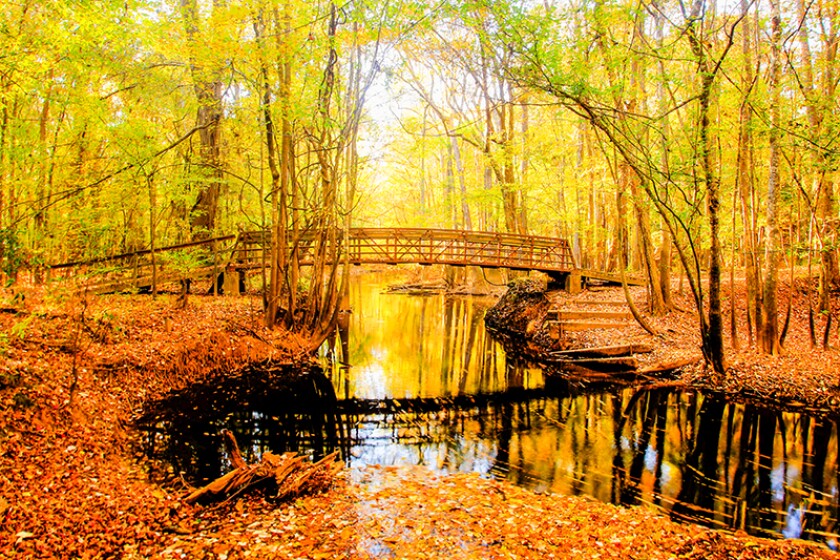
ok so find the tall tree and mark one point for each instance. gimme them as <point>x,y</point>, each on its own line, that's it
<point>769,332</point>
<point>208,86</point>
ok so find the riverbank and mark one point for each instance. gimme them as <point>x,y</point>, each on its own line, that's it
<point>72,375</point>
<point>802,377</point>
<point>73,484</point>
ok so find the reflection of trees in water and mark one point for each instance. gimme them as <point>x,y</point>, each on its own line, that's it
<point>267,409</point>
<point>701,458</point>
<point>419,346</point>
<point>705,459</point>
<point>699,492</point>
<point>652,415</point>
<point>740,467</point>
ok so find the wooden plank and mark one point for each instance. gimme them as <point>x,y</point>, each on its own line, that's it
<point>128,284</point>
<point>564,315</point>
<point>600,364</point>
<point>604,351</point>
<point>612,277</point>
<point>575,326</point>
<point>143,252</point>
<point>616,303</point>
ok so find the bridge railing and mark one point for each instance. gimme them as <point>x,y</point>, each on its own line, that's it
<point>249,250</point>
<point>426,246</point>
<point>144,267</point>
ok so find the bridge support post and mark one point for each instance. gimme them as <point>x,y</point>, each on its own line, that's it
<point>571,281</point>
<point>574,283</point>
<point>230,283</point>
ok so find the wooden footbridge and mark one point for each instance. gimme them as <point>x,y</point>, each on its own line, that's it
<point>251,251</point>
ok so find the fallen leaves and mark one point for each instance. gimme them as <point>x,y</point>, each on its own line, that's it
<point>71,486</point>
<point>463,516</point>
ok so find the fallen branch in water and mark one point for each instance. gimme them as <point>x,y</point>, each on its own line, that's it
<point>289,474</point>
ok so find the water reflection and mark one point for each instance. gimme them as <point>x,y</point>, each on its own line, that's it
<point>403,346</point>
<point>416,380</point>
<point>268,408</point>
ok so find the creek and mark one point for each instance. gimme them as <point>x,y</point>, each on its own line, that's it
<point>416,379</point>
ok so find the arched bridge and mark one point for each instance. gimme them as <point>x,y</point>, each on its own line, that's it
<point>426,247</point>
<point>250,250</point>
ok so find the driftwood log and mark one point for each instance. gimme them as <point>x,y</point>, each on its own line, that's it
<point>615,364</point>
<point>291,474</point>
<point>603,351</point>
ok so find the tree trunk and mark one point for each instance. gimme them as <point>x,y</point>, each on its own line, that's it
<point>208,91</point>
<point>278,237</point>
<point>459,167</point>
<point>769,334</point>
<point>712,334</point>
<point>744,176</point>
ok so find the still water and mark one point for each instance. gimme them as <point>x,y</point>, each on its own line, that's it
<point>417,380</point>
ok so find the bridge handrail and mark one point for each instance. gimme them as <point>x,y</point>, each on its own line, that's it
<point>142,252</point>
<point>426,233</point>
<point>427,246</point>
<point>365,245</point>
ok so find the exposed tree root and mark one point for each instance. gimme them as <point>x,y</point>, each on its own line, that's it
<point>286,476</point>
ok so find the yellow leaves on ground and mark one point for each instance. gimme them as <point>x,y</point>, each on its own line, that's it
<point>412,513</point>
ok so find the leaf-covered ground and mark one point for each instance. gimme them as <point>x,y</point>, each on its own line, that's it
<point>408,512</point>
<point>72,484</point>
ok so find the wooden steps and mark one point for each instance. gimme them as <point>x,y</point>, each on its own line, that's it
<point>612,278</point>
<point>584,302</point>
<point>606,365</point>
<point>577,326</point>
<point>562,320</point>
<point>583,315</point>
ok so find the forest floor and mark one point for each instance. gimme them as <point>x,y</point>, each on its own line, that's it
<point>74,372</point>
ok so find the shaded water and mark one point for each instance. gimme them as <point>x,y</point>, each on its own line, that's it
<point>419,381</point>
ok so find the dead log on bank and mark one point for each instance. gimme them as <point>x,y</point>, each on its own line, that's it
<point>603,351</point>
<point>287,476</point>
<point>614,364</point>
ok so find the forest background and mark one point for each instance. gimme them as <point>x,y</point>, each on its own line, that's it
<point>657,136</point>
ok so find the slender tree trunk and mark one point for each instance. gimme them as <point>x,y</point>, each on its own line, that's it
<point>664,250</point>
<point>449,187</point>
<point>42,193</point>
<point>153,231</point>
<point>462,183</point>
<point>744,176</point>
<point>657,301</point>
<point>713,333</point>
<point>508,179</point>
<point>278,236</point>
<point>423,163</point>
<point>769,333</point>
<point>524,163</point>
<point>4,134</point>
